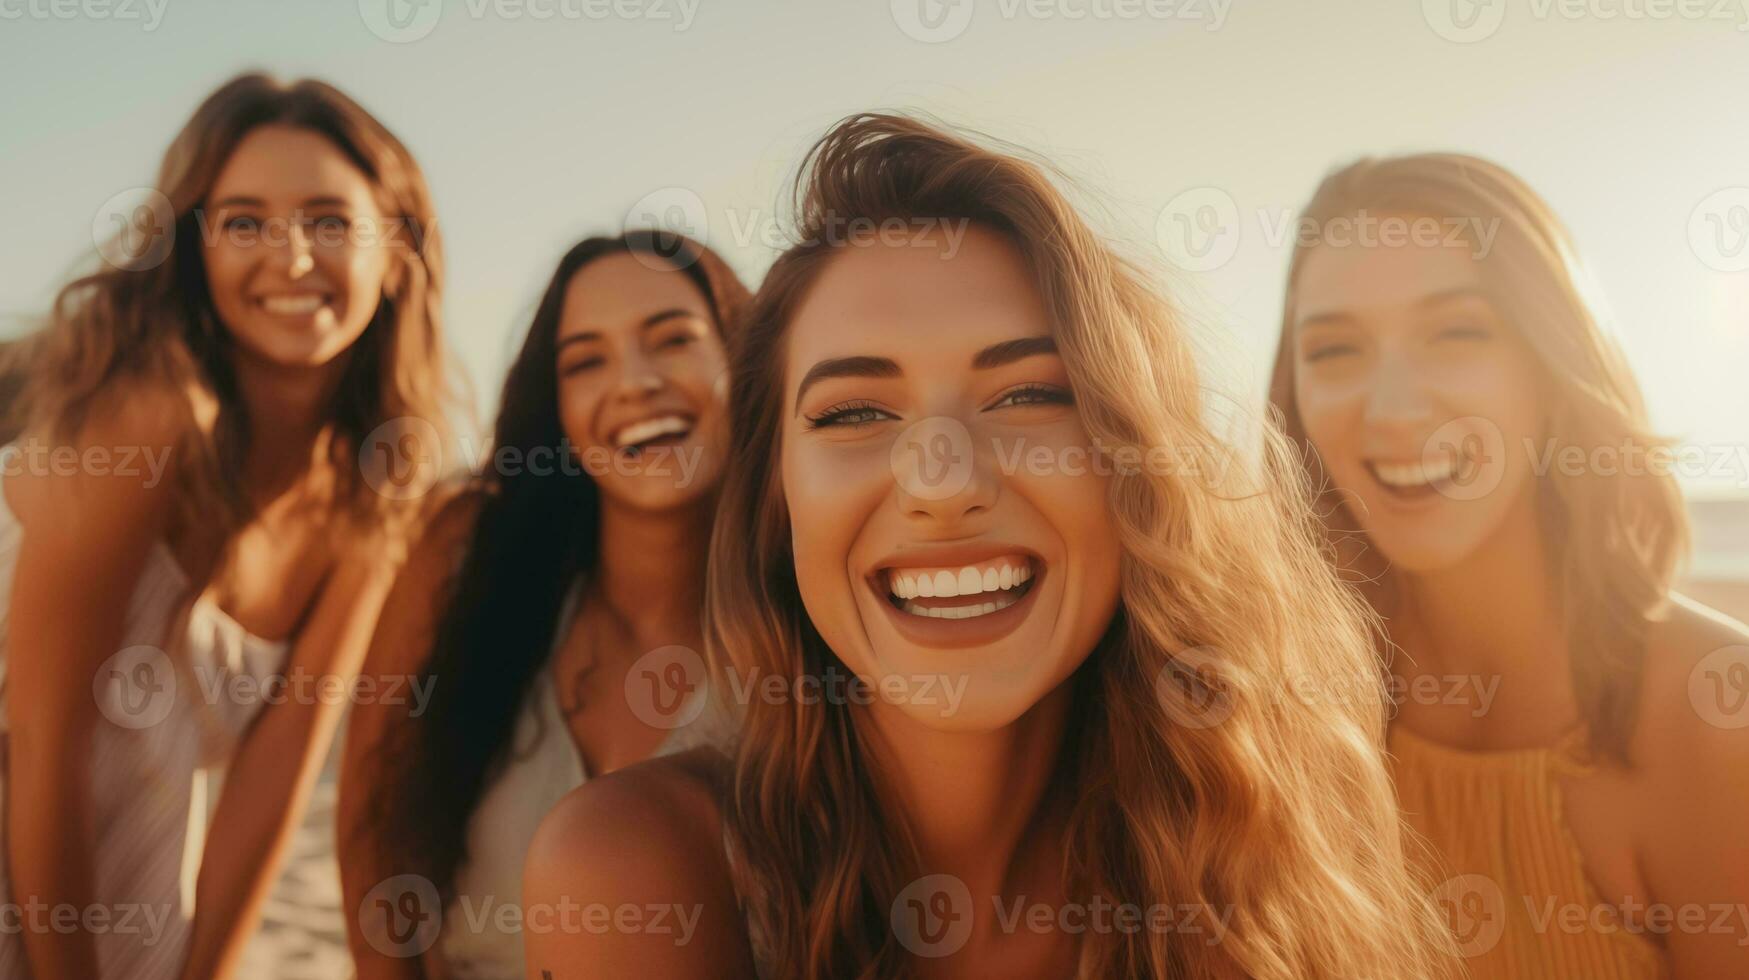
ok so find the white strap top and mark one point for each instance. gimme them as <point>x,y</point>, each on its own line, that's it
<point>156,766</point>
<point>481,937</point>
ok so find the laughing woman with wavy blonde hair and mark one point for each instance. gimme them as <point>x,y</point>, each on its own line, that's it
<point>1008,712</point>
<point>1567,738</point>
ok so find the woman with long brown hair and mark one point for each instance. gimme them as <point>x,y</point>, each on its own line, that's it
<point>541,595</point>
<point>1493,482</point>
<point>1012,661</point>
<point>188,532</point>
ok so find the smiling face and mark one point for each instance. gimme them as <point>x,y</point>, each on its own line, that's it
<point>1418,395</point>
<point>641,382</point>
<point>913,375</point>
<point>296,247</point>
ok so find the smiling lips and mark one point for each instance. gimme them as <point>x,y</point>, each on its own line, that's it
<point>975,590</point>
<point>293,304</point>
<point>635,436</point>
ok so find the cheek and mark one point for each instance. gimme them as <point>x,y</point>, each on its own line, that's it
<point>831,495</point>
<point>359,273</point>
<point>577,401</point>
<point>226,273</point>
<point>1328,412</point>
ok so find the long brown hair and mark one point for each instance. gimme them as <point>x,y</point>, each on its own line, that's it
<point>153,323</point>
<point>537,537</point>
<point>1614,542</point>
<point>1281,812</point>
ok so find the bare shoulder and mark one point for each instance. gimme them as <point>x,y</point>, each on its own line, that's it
<point>114,475</point>
<point>640,848</point>
<point>1694,703</point>
<point>660,812</point>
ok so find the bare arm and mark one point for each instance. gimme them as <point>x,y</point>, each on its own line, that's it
<point>400,648</point>
<point>269,780</point>
<point>1697,746</point>
<point>626,878</point>
<point>86,540</point>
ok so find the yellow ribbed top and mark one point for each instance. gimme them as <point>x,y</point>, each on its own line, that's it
<point>1510,875</point>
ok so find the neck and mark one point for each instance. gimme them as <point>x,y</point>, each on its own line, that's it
<point>652,570</point>
<point>976,802</point>
<point>289,410</point>
<point>1493,613</point>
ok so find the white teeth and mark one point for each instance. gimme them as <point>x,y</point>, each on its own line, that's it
<point>1414,474</point>
<point>962,612</point>
<point>298,304</point>
<point>947,584</point>
<point>648,429</point>
<point>993,577</point>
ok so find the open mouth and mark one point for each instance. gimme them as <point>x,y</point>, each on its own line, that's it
<point>963,591</point>
<point>292,304</point>
<point>635,438</point>
<point>1416,479</point>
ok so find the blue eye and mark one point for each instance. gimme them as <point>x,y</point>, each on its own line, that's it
<point>848,414</point>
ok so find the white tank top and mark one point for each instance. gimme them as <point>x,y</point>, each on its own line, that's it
<point>481,937</point>
<point>157,764</point>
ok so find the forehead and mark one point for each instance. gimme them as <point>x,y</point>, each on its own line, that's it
<point>936,301</point>
<point>287,165</point>
<point>622,289</point>
<point>1357,278</point>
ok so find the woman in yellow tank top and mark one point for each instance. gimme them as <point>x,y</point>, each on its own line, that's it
<point>1571,738</point>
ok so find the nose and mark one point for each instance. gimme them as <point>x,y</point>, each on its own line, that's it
<point>638,377</point>
<point>943,478</point>
<point>1398,399</point>
<point>294,253</point>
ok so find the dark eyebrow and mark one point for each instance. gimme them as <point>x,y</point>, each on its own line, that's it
<point>645,324</point>
<point>1009,351</point>
<point>669,314</point>
<point>246,201</point>
<point>993,356</point>
<point>847,367</point>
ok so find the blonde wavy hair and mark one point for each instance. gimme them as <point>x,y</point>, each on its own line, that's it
<point>1614,541</point>
<point>1276,807</point>
<point>154,326</point>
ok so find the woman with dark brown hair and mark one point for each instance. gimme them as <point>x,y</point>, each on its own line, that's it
<point>548,608</point>
<point>1492,482</point>
<point>187,524</point>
